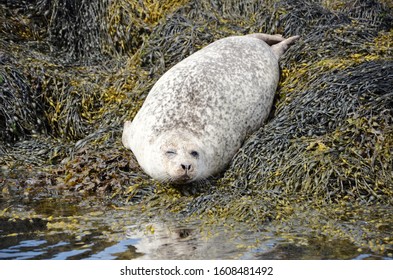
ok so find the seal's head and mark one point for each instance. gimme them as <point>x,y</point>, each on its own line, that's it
<point>177,158</point>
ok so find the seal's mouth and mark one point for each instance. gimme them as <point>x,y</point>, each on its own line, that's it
<point>184,179</point>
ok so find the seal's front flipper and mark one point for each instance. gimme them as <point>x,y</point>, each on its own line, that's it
<point>280,48</point>
<point>126,134</point>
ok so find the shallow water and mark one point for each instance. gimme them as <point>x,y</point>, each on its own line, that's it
<point>69,228</point>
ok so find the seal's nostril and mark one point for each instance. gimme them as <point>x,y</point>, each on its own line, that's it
<point>186,166</point>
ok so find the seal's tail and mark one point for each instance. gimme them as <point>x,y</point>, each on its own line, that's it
<point>278,43</point>
<point>280,48</point>
<point>268,38</point>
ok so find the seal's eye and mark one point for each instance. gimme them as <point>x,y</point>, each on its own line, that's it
<point>170,153</point>
<point>194,154</point>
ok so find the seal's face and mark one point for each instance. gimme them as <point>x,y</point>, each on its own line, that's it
<point>180,159</point>
<point>181,165</point>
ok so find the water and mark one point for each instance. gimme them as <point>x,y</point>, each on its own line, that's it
<point>70,228</point>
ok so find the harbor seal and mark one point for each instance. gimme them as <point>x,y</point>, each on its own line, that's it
<point>197,115</point>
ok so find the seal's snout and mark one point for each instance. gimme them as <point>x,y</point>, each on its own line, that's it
<point>186,167</point>
<point>185,173</point>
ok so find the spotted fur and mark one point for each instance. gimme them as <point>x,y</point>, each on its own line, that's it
<point>213,99</point>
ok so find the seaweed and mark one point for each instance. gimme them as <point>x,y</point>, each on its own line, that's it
<point>71,73</point>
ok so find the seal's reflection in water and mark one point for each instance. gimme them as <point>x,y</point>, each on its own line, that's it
<point>158,241</point>
<point>161,241</point>
<point>65,229</point>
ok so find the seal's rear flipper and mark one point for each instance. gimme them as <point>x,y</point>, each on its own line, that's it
<point>280,48</point>
<point>268,38</point>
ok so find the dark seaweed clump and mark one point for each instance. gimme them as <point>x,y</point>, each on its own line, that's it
<point>71,72</point>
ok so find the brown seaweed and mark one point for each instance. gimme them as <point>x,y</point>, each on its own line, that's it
<point>71,72</point>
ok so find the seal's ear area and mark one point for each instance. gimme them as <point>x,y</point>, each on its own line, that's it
<point>280,48</point>
<point>126,134</point>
